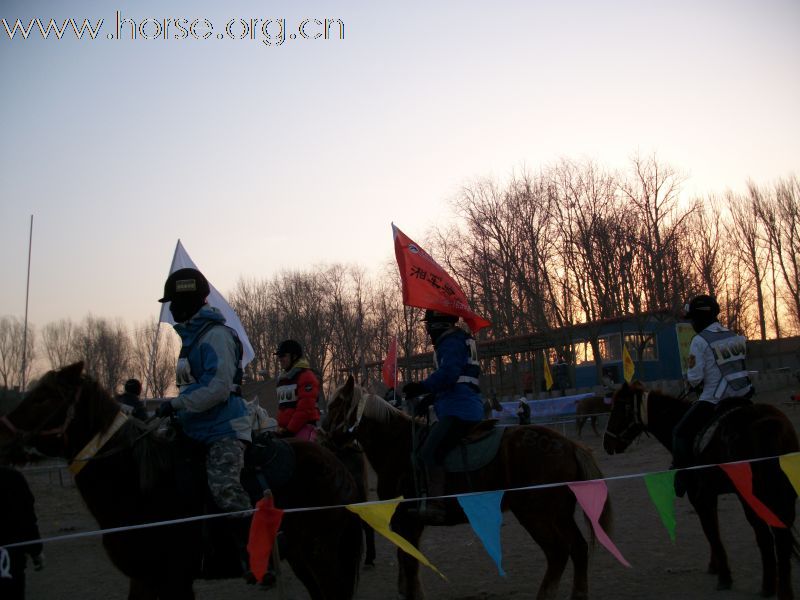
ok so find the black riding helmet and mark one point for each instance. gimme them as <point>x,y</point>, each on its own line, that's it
<point>702,310</point>
<point>436,323</point>
<point>290,347</point>
<point>186,290</point>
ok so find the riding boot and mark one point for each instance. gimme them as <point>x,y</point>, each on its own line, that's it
<point>433,511</point>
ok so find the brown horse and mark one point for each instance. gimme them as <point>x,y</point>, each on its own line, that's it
<point>137,478</point>
<point>589,408</point>
<point>753,431</point>
<point>528,455</point>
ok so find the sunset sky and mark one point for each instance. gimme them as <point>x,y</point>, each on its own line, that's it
<point>263,158</point>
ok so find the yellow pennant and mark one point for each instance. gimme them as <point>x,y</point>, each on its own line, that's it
<point>378,517</point>
<point>548,376</point>
<point>790,464</point>
<point>627,363</point>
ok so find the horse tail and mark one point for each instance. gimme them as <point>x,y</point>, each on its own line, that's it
<point>588,469</point>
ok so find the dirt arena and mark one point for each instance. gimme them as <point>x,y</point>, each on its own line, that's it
<point>78,569</point>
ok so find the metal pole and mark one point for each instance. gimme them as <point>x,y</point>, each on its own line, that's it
<point>25,327</point>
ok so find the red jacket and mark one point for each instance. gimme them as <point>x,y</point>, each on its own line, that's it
<point>297,389</point>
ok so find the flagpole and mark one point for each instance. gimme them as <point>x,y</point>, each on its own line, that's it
<point>396,348</point>
<point>25,326</point>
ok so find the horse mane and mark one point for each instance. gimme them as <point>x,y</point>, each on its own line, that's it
<point>375,407</point>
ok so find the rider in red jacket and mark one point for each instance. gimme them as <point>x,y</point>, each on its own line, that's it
<point>298,389</point>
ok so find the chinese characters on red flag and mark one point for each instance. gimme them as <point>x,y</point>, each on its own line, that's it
<point>390,365</point>
<point>427,285</point>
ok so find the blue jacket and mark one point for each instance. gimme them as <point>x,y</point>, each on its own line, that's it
<point>209,405</point>
<point>455,381</point>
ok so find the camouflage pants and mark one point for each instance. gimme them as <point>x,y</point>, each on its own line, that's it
<point>224,465</point>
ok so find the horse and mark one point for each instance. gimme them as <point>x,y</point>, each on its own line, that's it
<point>352,457</point>
<point>589,408</point>
<point>137,477</point>
<point>528,455</point>
<point>752,431</point>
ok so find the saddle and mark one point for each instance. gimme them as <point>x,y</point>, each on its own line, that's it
<point>476,449</point>
<point>729,417</point>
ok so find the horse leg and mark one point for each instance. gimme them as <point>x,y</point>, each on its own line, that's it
<point>140,590</point>
<point>594,426</point>
<point>766,548</point>
<point>553,538</point>
<point>784,545</point>
<point>579,424</point>
<point>369,538</point>
<point>409,586</point>
<point>706,506</point>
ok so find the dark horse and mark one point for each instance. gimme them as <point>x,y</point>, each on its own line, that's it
<point>753,431</point>
<point>352,457</point>
<point>528,455</point>
<point>589,408</point>
<point>134,479</point>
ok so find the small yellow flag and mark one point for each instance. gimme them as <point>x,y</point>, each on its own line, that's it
<point>627,363</point>
<point>548,376</point>
<point>378,516</point>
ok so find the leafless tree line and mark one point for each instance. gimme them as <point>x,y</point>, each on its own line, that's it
<point>570,244</point>
<point>109,352</point>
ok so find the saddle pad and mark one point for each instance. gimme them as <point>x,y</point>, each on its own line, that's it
<point>475,454</point>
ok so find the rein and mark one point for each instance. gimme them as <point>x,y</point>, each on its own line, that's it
<point>638,423</point>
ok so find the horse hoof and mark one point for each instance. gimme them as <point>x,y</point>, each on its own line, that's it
<point>724,585</point>
<point>767,593</point>
<point>369,565</point>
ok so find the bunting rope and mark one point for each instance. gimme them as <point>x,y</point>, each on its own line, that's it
<point>97,532</point>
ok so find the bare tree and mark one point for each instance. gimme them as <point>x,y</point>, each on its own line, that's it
<point>11,351</point>
<point>780,216</point>
<point>105,349</point>
<point>153,357</point>
<point>59,343</point>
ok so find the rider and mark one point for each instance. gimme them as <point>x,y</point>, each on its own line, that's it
<point>716,371</point>
<point>130,399</point>
<point>209,406</point>
<point>453,390</point>
<point>298,389</point>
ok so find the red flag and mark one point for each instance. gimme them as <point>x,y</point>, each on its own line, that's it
<point>390,364</point>
<point>427,285</point>
<point>742,477</point>
<point>263,530</point>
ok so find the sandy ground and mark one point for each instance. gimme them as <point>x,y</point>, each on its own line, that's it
<point>78,569</point>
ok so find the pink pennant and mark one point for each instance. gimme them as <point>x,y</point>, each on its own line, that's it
<point>742,477</point>
<point>592,496</point>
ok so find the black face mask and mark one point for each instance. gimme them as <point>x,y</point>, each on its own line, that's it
<point>184,309</point>
<point>698,324</point>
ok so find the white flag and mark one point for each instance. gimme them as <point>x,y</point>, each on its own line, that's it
<point>181,260</point>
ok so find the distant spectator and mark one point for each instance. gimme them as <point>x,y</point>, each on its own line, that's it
<point>130,399</point>
<point>562,373</point>
<point>524,412</point>
<point>17,524</point>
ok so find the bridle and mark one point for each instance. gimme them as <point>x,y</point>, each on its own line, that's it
<point>638,420</point>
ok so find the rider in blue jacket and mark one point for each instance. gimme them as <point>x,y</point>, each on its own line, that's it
<point>209,405</point>
<point>453,389</point>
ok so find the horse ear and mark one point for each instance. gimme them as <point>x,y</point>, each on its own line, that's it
<point>349,385</point>
<point>72,373</point>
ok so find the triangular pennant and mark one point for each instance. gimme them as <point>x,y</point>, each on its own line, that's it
<point>378,516</point>
<point>790,465</point>
<point>263,531</point>
<point>484,514</point>
<point>591,495</point>
<point>742,477</point>
<point>661,487</point>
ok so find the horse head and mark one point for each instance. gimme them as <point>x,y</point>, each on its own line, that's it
<point>56,417</point>
<point>345,409</point>
<point>624,422</point>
